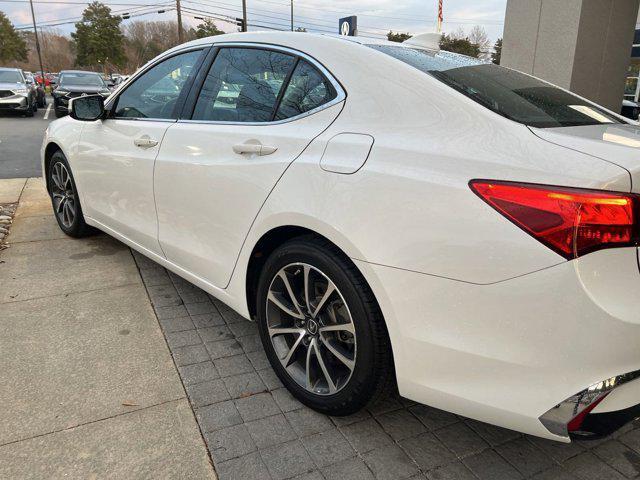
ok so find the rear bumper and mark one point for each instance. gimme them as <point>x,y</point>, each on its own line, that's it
<point>509,352</point>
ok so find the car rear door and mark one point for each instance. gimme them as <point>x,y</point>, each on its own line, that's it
<point>257,110</point>
<point>116,155</point>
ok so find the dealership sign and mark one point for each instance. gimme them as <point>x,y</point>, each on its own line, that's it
<point>348,26</point>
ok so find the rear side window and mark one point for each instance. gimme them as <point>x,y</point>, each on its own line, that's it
<point>512,94</point>
<point>243,85</point>
<point>308,89</point>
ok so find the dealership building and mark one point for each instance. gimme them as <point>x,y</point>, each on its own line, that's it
<point>581,45</point>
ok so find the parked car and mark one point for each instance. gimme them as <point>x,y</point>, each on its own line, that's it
<point>76,83</point>
<point>16,94</point>
<point>630,109</point>
<point>41,96</point>
<point>395,213</point>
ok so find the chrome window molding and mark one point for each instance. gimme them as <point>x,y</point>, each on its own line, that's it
<point>341,94</point>
<point>558,418</point>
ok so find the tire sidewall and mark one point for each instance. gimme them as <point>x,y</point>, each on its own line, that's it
<point>363,375</point>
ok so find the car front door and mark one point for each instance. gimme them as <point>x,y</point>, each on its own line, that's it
<point>116,155</point>
<point>257,110</point>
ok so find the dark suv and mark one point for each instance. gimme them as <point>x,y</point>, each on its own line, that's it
<point>16,94</point>
<point>76,83</point>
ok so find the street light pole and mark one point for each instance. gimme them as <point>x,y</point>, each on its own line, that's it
<point>244,15</point>
<point>180,33</point>
<point>292,15</point>
<point>35,31</point>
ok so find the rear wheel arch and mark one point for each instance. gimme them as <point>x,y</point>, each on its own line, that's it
<point>269,242</point>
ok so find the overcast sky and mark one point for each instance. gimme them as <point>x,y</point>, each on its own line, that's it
<point>375,17</point>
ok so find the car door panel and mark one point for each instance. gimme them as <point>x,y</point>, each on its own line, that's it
<point>117,176</point>
<point>207,195</point>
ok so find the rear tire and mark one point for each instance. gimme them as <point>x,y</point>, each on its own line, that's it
<point>351,362</point>
<point>65,199</point>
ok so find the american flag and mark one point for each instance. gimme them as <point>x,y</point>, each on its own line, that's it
<point>440,17</point>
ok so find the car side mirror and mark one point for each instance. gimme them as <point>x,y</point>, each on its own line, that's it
<point>87,109</point>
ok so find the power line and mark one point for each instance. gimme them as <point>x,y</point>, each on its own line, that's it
<point>77,19</point>
<point>57,2</point>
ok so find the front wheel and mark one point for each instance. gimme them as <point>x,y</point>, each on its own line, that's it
<point>321,327</point>
<point>64,198</point>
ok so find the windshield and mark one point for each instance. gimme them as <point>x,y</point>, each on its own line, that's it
<point>512,94</point>
<point>10,76</point>
<point>81,80</point>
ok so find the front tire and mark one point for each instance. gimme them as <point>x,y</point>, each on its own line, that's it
<point>322,328</point>
<point>65,199</point>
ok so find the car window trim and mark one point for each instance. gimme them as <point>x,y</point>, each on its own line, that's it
<point>341,94</point>
<point>283,88</point>
<point>198,81</point>
<point>112,104</point>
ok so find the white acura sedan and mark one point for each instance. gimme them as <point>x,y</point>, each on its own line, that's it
<point>386,213</point>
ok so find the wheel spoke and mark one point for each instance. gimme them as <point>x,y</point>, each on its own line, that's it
<point>287,285</point>
<point>273,331</point>
<point>330,289</point>
<point>323,367</point>
<point>60,202</point>
<point>309,386</point>
<point>306,271</point>
<point>55,176</point>
<point>287,359</point>
<point>339,355</point>
<point>276,301</point>
<point>339,327</point>
<point>66,215</point>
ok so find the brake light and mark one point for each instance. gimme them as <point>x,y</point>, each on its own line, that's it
<point>570,221</point>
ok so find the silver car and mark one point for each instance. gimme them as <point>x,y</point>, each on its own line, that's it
<point>16,94</point>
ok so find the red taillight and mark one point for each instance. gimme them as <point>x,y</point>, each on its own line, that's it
<point>570,221</point>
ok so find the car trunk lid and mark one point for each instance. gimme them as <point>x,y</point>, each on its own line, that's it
<point>618,144</point>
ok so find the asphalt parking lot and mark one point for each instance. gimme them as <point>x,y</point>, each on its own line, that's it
<point>252,427</point>
<point>20,140</point>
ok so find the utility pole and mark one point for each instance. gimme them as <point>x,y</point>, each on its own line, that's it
<point>244,15</point>
<point>292,15</point>
<point>35,31</point>
<point>180,33</point>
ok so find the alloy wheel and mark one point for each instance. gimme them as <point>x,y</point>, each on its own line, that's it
<point>64,196</point>
<point>311,329</point>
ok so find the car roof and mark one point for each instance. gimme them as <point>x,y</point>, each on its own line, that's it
<point>79,71</point>
<point>10,69</point>
<point>285,37</point>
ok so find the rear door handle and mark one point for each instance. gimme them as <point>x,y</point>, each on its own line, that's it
<point>145,141</point>
<point>254,148</point>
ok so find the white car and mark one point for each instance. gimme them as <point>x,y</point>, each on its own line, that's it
<point>390,213</point>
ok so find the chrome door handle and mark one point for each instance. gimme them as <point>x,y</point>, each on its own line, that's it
<point>145,142</point>
<point>253,148</point>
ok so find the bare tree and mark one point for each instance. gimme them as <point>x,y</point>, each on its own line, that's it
<point>145,40</point>
<point>479,36</point>
<point>57,52</point>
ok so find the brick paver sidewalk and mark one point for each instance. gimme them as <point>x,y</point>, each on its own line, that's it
<point>255,429</point>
